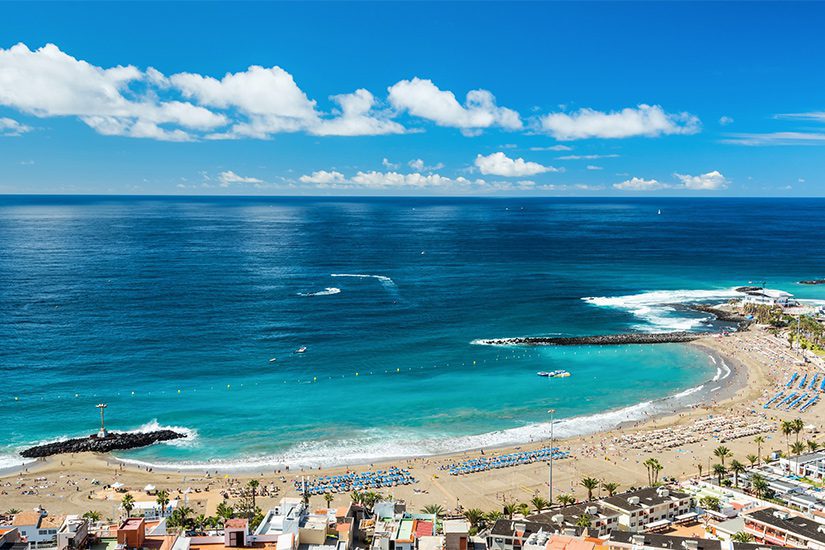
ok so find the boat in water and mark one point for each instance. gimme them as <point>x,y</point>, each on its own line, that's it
<point>273,359</point>
<point>554,374</point>
<point>302,349</point>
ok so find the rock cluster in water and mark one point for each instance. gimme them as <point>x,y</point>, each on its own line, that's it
<point>115,441</point>
<point>813,282</point>
<point>599,340</point>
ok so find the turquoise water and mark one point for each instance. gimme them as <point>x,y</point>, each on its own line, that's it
<point>170,310</point>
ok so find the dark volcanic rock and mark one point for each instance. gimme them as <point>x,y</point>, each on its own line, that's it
<point>601,340</point>
<point>116,441</point>
<point>813,282</point>
<point>749,289</point>
<point>722,315</point>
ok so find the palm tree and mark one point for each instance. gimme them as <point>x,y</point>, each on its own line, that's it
<point>474,516</point>
<point>699,467</point>
<point>722,452</point>
<point>759,485</point>
<point>584,520</point>
<point>539,503</point>
<point>737,468</point>
<point>797,426</point>
<point>589,483</point>
<point>328,498</point>
<point>709,503</point>
<point>128,504</point>
<point>92,515</point>
<point>564,499</point>
<point>434,509</point>
<point>523,508</point>
<point>797,449</point>
<point>752,459</point>
<point>509,509</point>
<point>787,430</point>
<point>720,471</point>
<point>741,536</point>
<point>224,512</point>
<point>370,498</point>
<point>813,446</point>
<point>355,496</point>
<point>200,522</point>
<point>12,511</point>
<point>759,440</point>
<point>610,487</point>
<point>253,487</point>
<point>162,498</point>
<point>653,468</point>
<point>492,517</point>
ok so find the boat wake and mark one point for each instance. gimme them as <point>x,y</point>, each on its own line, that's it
<point>656,309</point>
<point>329,291</point>
<point>386,281</point>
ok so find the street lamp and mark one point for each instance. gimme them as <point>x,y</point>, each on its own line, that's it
<point>102,432</point>
<point>550,484</point>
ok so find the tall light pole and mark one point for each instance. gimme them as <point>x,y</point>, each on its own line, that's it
<point>550,484</point>
<point>102,432</point>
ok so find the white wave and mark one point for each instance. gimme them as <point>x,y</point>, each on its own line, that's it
<point>718,374</point>
<point>153,426</point>
<point>383,278</point>
<point>727,370</point>
<point>712,358</point>
<point>688,391</point>
<point>656,309</point>
<point>329,291</point>
<point>13,461</point>
<point>376,445</point>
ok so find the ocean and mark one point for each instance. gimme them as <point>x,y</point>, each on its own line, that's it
<point>172,309</point>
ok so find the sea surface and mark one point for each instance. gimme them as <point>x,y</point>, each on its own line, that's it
<point>171,311</point>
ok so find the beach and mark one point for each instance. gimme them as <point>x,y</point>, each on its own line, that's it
<point>63,484</point>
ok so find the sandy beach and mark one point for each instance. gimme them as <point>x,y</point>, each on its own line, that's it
<point>681,435</point>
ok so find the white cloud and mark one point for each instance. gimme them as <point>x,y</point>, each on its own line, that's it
<point>552,148</point>
<point>48,82</point>
<point>639,184</point>
<point>594,167</point>
<point>817,116</point>
<point>499,164</point>
<point>387,164</point>
<point>777,138</point>
<point>725,120</point>
<point>711,181</point>
<point>229,177</point>
<point>323,177</point>
<point>646,120</point>
<point>587,157</point>
<point>11,128</point>
<point>704,182</point>
<point>420,166</point>
<point>424,99</point>
<point>356,118</point>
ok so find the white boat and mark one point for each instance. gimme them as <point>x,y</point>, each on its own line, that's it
<point>554,374</point>
<point>660,212</point>
<point>542,373</point>
<point>273,359</point>
<point>302,349</point>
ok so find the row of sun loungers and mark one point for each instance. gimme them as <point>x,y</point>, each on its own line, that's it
<point>723,427</point>
<point>484,464</point>
<point>357,481</point>
<point>794,399</point>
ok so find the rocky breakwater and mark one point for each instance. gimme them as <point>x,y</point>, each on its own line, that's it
<point>598,340</point>
<point>813,282</point>
<point>114,441</point>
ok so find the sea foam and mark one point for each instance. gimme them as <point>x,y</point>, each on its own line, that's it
<point>329,291</point>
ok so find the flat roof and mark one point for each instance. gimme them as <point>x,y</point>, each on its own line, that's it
<point>798,525</point>
<point>131,524</point>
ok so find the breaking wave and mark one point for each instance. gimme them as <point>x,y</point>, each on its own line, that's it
<point>329,291</point>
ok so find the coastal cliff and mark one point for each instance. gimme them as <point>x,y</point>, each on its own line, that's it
<point>115,441</point>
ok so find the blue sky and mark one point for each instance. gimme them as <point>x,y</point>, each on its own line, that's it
<point>402,98</point>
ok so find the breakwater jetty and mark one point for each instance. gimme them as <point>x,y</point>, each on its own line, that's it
<point>113,441</point>
<point>598,340</point>
<point>813,282</point>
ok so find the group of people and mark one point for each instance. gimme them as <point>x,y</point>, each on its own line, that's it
<point>484,463</point>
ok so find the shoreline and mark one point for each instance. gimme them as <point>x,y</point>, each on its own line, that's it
<point>660,408</point>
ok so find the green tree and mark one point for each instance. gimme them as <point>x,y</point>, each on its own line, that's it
<point>162,499</point>
<point>435,509</point>
<point>720,471</point>
<point>12,511</point>
<point>224,512</point>
<point>509,509</point>
<point>492,517</point>
<point>752,459</point>
<point>737,468</point>
<point>328,498</point>
<point>653,468</point>
<point>611,487</point>
<point>699,467</point>
<point>759,440</point>
<point>200,522</point>
<point>589,483</point>
<point>128,504</point>
<point>759,485</point>
<point>584,521</point>
<point>475,517</point>
<point>709,503</point>
<point>722,453</point>
<point>787,429</point>
<point>539,503</point>
<point>741,536</point>
<point>356,497</point>
<point>797,426</point>
<point>253,485</point>
<point>92,515</point>
<point>565,499</point>
<point>813,446</point>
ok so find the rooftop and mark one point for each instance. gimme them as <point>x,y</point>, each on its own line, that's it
<point>798,525</point>
<point>23,519</point>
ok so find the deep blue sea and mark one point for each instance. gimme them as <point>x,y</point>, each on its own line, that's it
<point>170,310</point>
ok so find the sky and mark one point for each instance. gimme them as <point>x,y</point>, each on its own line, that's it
<point>413,98</point>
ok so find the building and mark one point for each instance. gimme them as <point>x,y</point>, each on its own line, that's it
<point>131,534</point>
<point>774,526</point>
<point>811,465</point>
<point>651,508</point>
<point>512,534</point>
<point>602,520</point>
<point>35,526</point>
<point>652,541</point>
<point>73,534</point>
<point>456,534</point>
